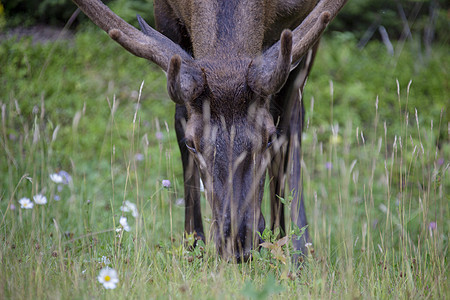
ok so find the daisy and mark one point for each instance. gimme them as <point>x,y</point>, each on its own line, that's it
<point>26,203</point>
<point>123,222</point>
<point>40,199</point>
<point>56,178</point>
<point>108,277</point>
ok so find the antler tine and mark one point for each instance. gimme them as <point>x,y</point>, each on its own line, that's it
<point>152,46</point>
<point>268,76</point>
<point>310,30</point>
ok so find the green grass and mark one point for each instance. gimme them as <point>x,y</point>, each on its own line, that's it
<point>374,188</point>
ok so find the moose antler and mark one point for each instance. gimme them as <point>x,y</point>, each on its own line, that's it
<point>304,37</point>
<point>309,31</point>
<point>268,76</point>
<point>152,45</point>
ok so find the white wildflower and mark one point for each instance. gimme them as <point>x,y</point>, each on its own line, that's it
<point>108,277</point>
<point>130,207</point>
<point>40,199</point>
<point>123,222</point>
<point>56,178</point>
<point>26,203</point>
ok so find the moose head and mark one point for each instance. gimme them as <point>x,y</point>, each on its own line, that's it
<point>227,64</point>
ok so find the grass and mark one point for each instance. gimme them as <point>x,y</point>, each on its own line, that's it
<point>376,179</point>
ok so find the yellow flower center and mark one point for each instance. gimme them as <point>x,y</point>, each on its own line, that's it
<point>107,278</point>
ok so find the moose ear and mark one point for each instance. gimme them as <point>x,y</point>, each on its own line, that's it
<point>184,82</point>
<point>267,75</point>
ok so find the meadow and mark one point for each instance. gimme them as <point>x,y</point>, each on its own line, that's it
<point>375,169</point>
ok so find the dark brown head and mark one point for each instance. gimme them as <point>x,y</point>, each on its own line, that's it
<point>228,132</point>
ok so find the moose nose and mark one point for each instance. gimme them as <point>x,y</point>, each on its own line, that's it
<point>237,243</point>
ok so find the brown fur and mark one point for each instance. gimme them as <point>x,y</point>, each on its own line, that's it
<point>242,31</point>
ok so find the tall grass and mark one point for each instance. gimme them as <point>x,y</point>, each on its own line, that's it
<point>388,206</point>
<point>376,195</point>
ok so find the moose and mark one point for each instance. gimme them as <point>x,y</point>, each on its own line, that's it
<point>236,70</point>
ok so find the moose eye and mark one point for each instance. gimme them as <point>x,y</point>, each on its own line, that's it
<point>190,146</point>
